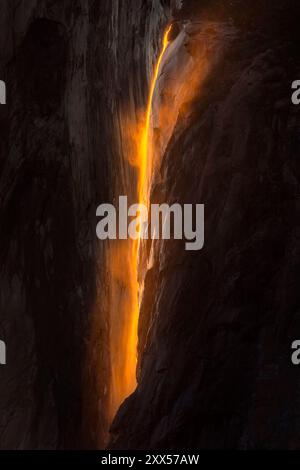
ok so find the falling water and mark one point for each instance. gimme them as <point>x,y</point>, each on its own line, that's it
<point>124,265</point>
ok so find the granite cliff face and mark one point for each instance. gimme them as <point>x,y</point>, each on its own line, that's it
<point>48,185</point>
<point>215,326</point>
<point>69,66</point>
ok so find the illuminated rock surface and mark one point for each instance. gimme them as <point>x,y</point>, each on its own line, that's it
<point>216,327</point>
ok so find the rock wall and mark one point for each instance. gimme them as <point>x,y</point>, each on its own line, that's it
<point>48,193</point>
<point>216,326</point>
<point>70,67</point>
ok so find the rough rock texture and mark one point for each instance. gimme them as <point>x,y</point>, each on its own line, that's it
<point>70,67</point>
<point>216,326</point>
<point>50,182</point>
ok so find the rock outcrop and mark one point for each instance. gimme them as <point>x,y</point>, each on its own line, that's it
<point>216,326</point>
<point>70,67</point>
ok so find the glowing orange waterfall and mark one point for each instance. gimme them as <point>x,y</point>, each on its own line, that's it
<point>144,147</point>
<point>124,264</point>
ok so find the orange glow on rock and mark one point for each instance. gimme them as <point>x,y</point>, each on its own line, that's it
<point>145,146</point>
<point>124,265</point>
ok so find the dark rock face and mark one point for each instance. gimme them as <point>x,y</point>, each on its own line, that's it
<point>69,67</point>
<point>52,176</point>
<point>216,326</point>
<point>41,67</point>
